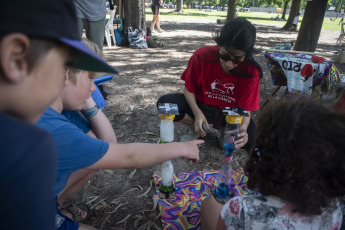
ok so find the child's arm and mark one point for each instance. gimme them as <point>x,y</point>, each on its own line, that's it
<point>100,125</point>
<point>140,155</point>
<point>220,224</point>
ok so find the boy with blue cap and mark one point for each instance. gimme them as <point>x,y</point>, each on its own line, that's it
<point>38,39</point>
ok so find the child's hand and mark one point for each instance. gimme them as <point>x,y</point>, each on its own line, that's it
<point>191,150</point>
<point>90,103</point>
<point>242,139</point>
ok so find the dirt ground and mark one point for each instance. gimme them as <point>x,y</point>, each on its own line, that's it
<point>144,76</point>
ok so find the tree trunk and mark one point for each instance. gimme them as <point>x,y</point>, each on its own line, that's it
<point>284,10</point>
<point>295,5</point>
<point>134,15</point>
<point>231,10</point>
<point>310,29</point>
<point>179,6</point>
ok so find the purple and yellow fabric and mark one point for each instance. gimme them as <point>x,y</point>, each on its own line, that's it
<point>300,74</point>
<point>183,212</point>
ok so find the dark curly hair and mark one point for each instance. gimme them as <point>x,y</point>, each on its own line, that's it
<point>299,155</point>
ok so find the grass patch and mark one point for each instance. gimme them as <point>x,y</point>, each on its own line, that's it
<point>254,17</point>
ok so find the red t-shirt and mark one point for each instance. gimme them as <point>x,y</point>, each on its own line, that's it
<point>205,78</point>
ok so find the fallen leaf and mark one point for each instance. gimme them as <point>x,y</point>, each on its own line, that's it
<point>149,133</point>
<point>139,187</point>
<point>100,202</point>
<point>124,219</point>
<point>132,173</point>
<point>122,204</point>
<point>147,191</point>
<point>130,190</point>
<point>108,170</point>
<point>103,222</point>
<point>93,198</point>
<point>155,201</point>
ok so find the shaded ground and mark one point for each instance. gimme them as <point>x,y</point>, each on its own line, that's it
<point>145,75</point>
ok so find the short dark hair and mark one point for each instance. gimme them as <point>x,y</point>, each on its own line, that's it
<point>38,49</point>
<point>299,155</point>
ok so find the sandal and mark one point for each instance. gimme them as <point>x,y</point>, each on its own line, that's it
<point>76,210</point>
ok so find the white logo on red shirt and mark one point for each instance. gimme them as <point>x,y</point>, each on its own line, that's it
<point>219,87</point>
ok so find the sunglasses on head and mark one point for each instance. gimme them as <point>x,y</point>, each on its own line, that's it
<point>233,59</point>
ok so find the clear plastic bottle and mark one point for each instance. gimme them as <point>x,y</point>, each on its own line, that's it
<point>167,172</point>
<point>167,136</point>
<point>224,179</point>
<point>167,128</point>
<point>232,129</point>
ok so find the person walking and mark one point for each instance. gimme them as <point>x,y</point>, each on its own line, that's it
<point>294,23</point>
<point>155,11</point>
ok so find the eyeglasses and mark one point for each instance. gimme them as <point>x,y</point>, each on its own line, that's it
<point>234,59</point>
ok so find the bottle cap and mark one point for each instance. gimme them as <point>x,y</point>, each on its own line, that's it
<point>228,159</point>
<point>167,117</point>
<point>233,119</point>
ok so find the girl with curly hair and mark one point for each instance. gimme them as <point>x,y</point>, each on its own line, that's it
<point>297,169</point>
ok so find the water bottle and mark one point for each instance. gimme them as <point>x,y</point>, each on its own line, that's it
<point>224,179</point>
<point>167,169</point>
<point>167,172</point>
<point>232,129</point>
<point>167,128</point>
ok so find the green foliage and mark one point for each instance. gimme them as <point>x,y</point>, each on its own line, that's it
<point>256,18</point>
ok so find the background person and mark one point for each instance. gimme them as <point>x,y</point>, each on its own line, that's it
<point>155,11</point>
<point>297,166</point>
<point>225,75</point>
<point>33,56</point>
<point>91,17</point>
<point>295,22</point>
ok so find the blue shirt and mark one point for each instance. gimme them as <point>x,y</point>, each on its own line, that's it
<point>28,160</point>
<point>76,150</point>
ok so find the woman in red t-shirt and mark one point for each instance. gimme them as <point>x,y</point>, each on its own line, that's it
<point>225,75</point>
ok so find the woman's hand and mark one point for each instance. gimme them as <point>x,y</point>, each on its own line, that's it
<point>199,120</point>
<point>242,138</point>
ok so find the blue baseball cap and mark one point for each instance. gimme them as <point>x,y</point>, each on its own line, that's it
<point>51,19</point>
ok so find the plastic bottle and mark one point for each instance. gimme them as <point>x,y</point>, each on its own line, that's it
<point>224,178</point>
<point>167,136</point>
<point>167,172</point>
<point>167,128</point>
<point>232,129</point>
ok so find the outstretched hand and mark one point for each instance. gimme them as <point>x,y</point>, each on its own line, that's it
<point>191,150</point>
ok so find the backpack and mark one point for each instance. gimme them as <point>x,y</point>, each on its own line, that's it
<point>154,42</point>
<point>136,38</point>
